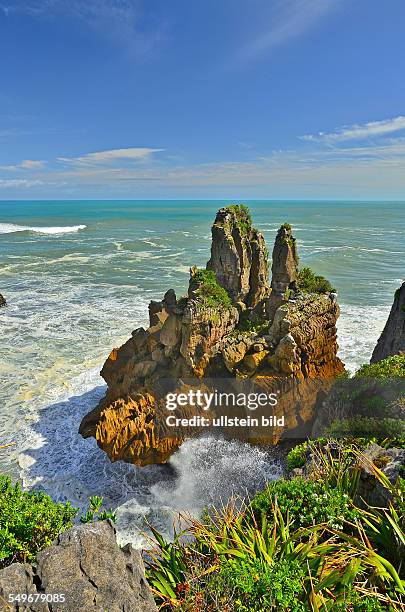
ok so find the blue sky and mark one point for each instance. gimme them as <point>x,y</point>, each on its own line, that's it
<point>205,99</point>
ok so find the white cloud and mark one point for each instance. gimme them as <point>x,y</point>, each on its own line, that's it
<point>111,156</point>
<point>26,164</point>
<point>288,20</point>
<point>360,131</point>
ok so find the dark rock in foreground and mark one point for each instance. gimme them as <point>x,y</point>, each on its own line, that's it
<point>88,567</point>
<point>2,301</point>
<point>392,339</point>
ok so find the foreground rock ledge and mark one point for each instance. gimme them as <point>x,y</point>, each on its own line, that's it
<point>89,568</point>
<point>232,325</point>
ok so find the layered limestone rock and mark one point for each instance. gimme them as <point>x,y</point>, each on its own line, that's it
<point>239,256</point>
<point>392,339</point>
<point>2,301</point>
<point>84,569</point>
<point>228,332</point>
<point>284,270</point>
<point>184,335</point>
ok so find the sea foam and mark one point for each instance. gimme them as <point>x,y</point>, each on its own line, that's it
<point>10,228</point>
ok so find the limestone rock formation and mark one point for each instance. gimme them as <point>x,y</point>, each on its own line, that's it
<point>86,566</point>
<point>2,301</point>
<point>392,339</point>
<point>284,269</point>
<point>239,256</point>
<point>226,331</point>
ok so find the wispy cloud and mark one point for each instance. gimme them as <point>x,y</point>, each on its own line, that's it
<point>137,154</point>
<point>26,164</point>
<point>360,131</point>
<point>20,183</point>
<point>288,19</point>
<point>312,170</point>
<point>121,21</point>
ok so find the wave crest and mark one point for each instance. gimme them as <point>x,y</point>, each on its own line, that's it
<point>10,228</point>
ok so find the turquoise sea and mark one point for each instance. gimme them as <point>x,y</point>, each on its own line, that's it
<point>78,277</point>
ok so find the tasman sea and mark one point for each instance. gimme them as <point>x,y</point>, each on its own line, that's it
<point>78,277</point>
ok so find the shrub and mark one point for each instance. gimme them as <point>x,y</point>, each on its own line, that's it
<point>259,586</point>
<point>308,503</point>
<point>297,456</point>
<point>286,226</point>
<point>29,522</point>
<point>309,282</point>
<point>369,427</point>
<point>390,367</point>
<point>209,292</point>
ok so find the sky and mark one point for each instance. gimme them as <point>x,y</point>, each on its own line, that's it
<point>234,99</point>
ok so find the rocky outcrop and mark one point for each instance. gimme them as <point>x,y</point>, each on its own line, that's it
<point>86,567</point>
<point>239,256</point>
<point>129,423</point>
<point>392,339</point>
<point>2,301</point>
<point>228,330</point>
<point>284,270</point>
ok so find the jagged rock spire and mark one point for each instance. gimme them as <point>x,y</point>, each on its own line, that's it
<point>284,269</point>
<point>392,339</point>
<point>239,256</point>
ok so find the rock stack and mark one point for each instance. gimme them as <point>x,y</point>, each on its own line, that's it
<point>392,339</point>
<point>239,256</point>
<point>231,326</point>
<point>2,301</point>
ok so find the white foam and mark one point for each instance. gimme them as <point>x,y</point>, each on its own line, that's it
<point>359,328</point>
<point>10,228</point>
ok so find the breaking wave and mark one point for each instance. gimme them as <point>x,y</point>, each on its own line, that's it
<point>10,228</point>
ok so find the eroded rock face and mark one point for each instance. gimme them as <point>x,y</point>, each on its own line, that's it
<point>284,270</point>
<point>239,256</point>
<point>88,567</point>
<point>225,337</point>
<point>2,301</point>
<point>129,423</point>
<point>392,339</point>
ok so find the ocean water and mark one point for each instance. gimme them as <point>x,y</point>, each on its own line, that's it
<point>78,277</point>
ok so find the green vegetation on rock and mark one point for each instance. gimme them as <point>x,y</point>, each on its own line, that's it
<point>390,367</point>
<point>307,502</point>
<point>309,282</point>
<point>209,291</point>
<point>243,217</point>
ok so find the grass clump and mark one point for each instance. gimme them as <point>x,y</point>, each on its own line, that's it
<point>243,217</point>
<point>309,282</point>
<point>208,291</point>
<point>286,226</point>
<point>29,522</point>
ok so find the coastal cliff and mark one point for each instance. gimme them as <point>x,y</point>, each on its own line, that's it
<point>233,327</point>
<point>392,339</point>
